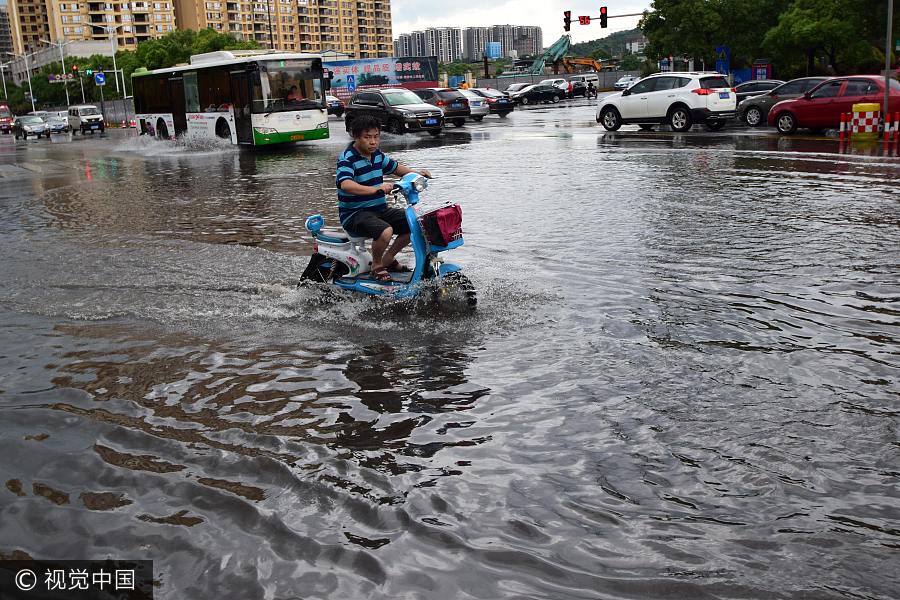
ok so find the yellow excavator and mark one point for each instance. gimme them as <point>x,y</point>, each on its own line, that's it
<point>570,64</point>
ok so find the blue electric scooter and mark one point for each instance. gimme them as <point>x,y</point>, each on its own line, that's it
<point>343,261</point>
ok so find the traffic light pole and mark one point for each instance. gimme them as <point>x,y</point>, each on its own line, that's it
<point>81,81</point>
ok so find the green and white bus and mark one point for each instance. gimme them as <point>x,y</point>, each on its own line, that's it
<point>251,97</point>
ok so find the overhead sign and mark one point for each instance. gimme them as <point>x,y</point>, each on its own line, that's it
<point>60,78</point>
<point>723,60</point>
<point>99,79</point>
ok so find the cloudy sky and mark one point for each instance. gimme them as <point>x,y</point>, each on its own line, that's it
<point>411,15</point>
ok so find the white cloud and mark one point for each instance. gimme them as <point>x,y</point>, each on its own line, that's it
<point>412,15</point>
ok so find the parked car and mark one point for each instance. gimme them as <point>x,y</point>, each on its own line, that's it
<point>754,111</point>
<point>84,118</point>
<point>678,99</point>
<point>29,125</point>
<point>821,107</point>
<point>586,79</point>
<point>57,124</point>
<point>398,110</point>
<point>6,118</point>
<point>335,106</point>
<point>577,88</point>
<point>477,105</point>
<point>749,89</point>
<point>625,82</point>
<point>516,87</point>
<point>498,102</point>
<point>537,93</point>
<point>559,83</point>
<point>40,113</point>
<point>452,102</point>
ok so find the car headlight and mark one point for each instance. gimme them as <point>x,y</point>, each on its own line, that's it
<point>405,113</point>
<point>322,125</point>
<point>28,128</point>
<point>264,130</point>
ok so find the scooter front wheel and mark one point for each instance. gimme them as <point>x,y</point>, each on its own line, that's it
<point>322,269</point>
<point>456,291</point>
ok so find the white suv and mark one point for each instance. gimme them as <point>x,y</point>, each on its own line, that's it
<point>676,99</point>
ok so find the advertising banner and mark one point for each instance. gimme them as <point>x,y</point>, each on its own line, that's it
<point>408,72</point>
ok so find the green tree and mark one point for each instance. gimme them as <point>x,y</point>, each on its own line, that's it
<point>630,62</point>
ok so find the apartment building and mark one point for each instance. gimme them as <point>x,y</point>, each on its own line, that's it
<point>450,43</point>
<point>32,21</point>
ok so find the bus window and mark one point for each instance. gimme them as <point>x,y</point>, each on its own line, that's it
<point>152,94</point>
<point>214,89</point>
<point>289,85</point>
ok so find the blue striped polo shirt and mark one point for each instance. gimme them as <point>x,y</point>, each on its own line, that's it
<point>353,165</point>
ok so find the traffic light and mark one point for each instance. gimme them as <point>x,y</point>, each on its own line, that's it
<point>75,70</point>
<point>602,16</point>
<point>584,20</point>
<point>567,19</point>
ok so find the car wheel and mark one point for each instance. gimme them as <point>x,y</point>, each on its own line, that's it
<point>479,118</point>
<point>347,122</point>
<point>338,113</point>
<point>610,119</point>
<point>753,116</point>
<point>646,127</point>
<point>459,122</point>
<point>223,130</point>
<point>525,100</point>
<point>555,99</point>
<point>680,119</point>
<point>435,132</point>
<point>162,132</point>
<point>395,126</point>
<point>503,115</point>
<point>715,125</point>
<point>786,123</point>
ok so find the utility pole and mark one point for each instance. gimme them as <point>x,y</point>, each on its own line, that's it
<point>269,12</point>
<point>3,75</point>
<point>887,64</point>
<point>62,59</point>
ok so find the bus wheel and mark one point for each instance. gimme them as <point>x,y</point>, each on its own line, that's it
<point>223,130</point>
<point>162,132</point>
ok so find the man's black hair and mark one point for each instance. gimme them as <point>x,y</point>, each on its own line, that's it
<point>362,123</point>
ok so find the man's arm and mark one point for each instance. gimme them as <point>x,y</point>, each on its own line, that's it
<point>358,189</point>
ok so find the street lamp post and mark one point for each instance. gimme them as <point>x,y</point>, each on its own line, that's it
<point>28,77</point>
<point>62,58</point>
<point>112,44</point>
<point>887,64</point>
<point>3,75</point>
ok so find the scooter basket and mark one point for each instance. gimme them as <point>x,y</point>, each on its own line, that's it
<point>443,225</point>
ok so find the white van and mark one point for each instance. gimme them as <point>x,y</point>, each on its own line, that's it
<point>587,78</point>
<point>84,118</point>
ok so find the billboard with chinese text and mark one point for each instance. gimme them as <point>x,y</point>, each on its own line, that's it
<point>409,72</point>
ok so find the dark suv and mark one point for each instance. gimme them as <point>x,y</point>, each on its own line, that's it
<point>398,110</point>
<point>454,104</point>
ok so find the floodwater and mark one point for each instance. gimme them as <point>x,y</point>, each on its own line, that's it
<point>681,380</point>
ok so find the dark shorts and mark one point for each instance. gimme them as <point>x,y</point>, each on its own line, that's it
<point>371,224</point>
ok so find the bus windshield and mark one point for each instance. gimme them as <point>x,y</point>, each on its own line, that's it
<point>287,85</point>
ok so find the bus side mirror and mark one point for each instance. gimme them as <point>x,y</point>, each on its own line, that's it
<point>327,84</point>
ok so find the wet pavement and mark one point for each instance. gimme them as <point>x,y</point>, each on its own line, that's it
<point>681,380</point>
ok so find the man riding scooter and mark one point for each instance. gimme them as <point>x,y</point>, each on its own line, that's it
<point>362,207</point>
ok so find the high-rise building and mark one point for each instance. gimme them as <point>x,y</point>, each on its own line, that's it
<point>441,42</point>
<point>444,42</point>
<point>33,21</point>
<point>6,44</point>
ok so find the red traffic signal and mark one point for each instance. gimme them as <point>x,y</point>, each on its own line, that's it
<point>584,20</point>
<point>75,69</point>
<point>602,16</point>
<point>567,19</point>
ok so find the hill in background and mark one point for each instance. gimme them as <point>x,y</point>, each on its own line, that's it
<point>612,45</point>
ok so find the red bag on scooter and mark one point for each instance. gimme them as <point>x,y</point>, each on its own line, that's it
<point>443,225</point>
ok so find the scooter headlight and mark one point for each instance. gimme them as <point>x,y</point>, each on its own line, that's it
<point>420,183</point>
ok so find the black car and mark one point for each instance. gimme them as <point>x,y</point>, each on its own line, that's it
<point>748,89</point>
<point>498,102</point>
<point>754,111</point>
<point>537,93</point>
<point>398,110</point>
<point>452,102</point>
<point>577,88</point>
<point>30,125</point>
<point>335,106</point>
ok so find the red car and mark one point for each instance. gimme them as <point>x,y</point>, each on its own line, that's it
<point>821,107</point>
<point>6,118</point>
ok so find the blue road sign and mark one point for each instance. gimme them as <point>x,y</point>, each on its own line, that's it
<point>99,79</point>
<point>723,60</point>
<point>351,83</point>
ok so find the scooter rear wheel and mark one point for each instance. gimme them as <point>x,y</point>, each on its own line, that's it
<point>456,291</point>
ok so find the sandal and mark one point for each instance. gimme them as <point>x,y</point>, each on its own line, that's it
<point>396,267</point>
<point>380,274</point>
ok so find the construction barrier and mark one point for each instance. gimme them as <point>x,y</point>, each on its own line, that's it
<point>864,124</point>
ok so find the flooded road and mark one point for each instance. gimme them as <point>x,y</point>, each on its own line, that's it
<point>681,380</point>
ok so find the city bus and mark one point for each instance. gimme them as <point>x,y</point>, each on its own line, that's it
<point>250,97</point>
